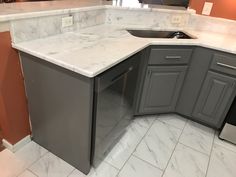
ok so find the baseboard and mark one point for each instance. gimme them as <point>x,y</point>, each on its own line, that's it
<point>18,145</point>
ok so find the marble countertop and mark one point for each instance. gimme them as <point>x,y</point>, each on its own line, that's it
<point>93,50</point>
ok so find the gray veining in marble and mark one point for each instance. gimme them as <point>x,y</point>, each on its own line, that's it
<point>126,141</point>
<point>198,137</point>
<point>41,27</point>
<point>34,161</point>
<point>173,119</point>
<point>51,166</point>
<point>27,173</point>
<point>158,144</point>
<point>222,163</point>
<point>135,167</point>
<point>187,162</point>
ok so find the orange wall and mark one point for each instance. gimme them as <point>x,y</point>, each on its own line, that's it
<point>14,117</point>
<point>221,8</point>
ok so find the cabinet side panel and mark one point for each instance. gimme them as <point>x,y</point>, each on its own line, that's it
<point>60,104</point>
<point>193,81</point>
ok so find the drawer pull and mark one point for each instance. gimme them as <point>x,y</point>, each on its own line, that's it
<point>226,66</point>
<point>173,57</point>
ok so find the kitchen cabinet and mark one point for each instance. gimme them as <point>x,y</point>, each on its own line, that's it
<point>197,83</point>
<point>163,78</point>
<point>161,88</point>
<point>208,89</point>
<point>197,71</point>
<point>214,99</point>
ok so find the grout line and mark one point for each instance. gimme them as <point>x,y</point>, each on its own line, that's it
<point>27,168</point>
<point>174,148</point>
<point>194,149</point>
<point>36,161</point>
<point>172,124</point>
<point>103,161</point>
<point>147,162</point>
<point>71,172</point>
<point>137,144</point>
<point>208,164</point>
<point>32,172</point>
<point>225,142</point>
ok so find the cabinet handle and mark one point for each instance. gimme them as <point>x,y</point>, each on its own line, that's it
<point>226,66</point>
<point>173,57</point>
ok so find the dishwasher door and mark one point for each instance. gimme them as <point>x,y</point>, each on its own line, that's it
<point>113,106</point>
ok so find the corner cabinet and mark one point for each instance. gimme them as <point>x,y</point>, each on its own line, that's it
<point>161,88</point>
<point>215,99</point>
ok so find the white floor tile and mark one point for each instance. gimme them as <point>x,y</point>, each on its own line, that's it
<point>51,166</point>
<point>138,168</point>
<point>224,143</point>
<point>222,163</point>
<point>30,153</point>
<point>173,119</point>
<point>187,162</point>
<point>126,144</point>
<point>27,173</point>
<point>102,170</point>
<point>10,165</point>
<point>198,137</point>
<point>158,144</point>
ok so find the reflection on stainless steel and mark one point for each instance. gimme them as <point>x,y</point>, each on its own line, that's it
<point>114,97</point>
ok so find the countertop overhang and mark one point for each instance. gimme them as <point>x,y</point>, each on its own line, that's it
<point>93,50</point>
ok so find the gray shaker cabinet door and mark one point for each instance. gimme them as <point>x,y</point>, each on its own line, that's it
<point>215,99</point>
<point>161,88</point>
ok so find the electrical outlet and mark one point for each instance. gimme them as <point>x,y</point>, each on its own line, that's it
<point>66,21</point>
<point>176,19</point>
<point>207,8</point>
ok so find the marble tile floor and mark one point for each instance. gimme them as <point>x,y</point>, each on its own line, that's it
<point>163,146</point>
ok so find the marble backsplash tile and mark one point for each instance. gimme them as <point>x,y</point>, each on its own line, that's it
<point>89,18</point>
<point>147,18</point>
<point>41,27</point>
<point>212,24</point>
<point>44,26</point>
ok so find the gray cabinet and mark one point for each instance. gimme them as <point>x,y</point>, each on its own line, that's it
<point>161,88</point>
<point>197,71</point>
<point>215,98</point>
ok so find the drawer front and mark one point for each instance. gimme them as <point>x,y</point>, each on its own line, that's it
<point>170,56</point>
<point>223,63</point>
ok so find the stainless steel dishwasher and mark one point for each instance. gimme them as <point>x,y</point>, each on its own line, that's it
<point>113,105</point>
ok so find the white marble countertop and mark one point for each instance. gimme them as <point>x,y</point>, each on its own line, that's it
<point>93,50</point>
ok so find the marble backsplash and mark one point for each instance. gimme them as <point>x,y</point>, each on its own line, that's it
<point>212,24</point>
<point>147,18</point>
<point>41,27</point>
<point>44,26</point>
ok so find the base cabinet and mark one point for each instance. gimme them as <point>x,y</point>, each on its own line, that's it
<point>215,98</point>
<point>161,88</point>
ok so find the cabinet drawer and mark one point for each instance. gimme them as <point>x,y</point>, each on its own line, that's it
<point>169,56</point>
<point>223,63</point>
